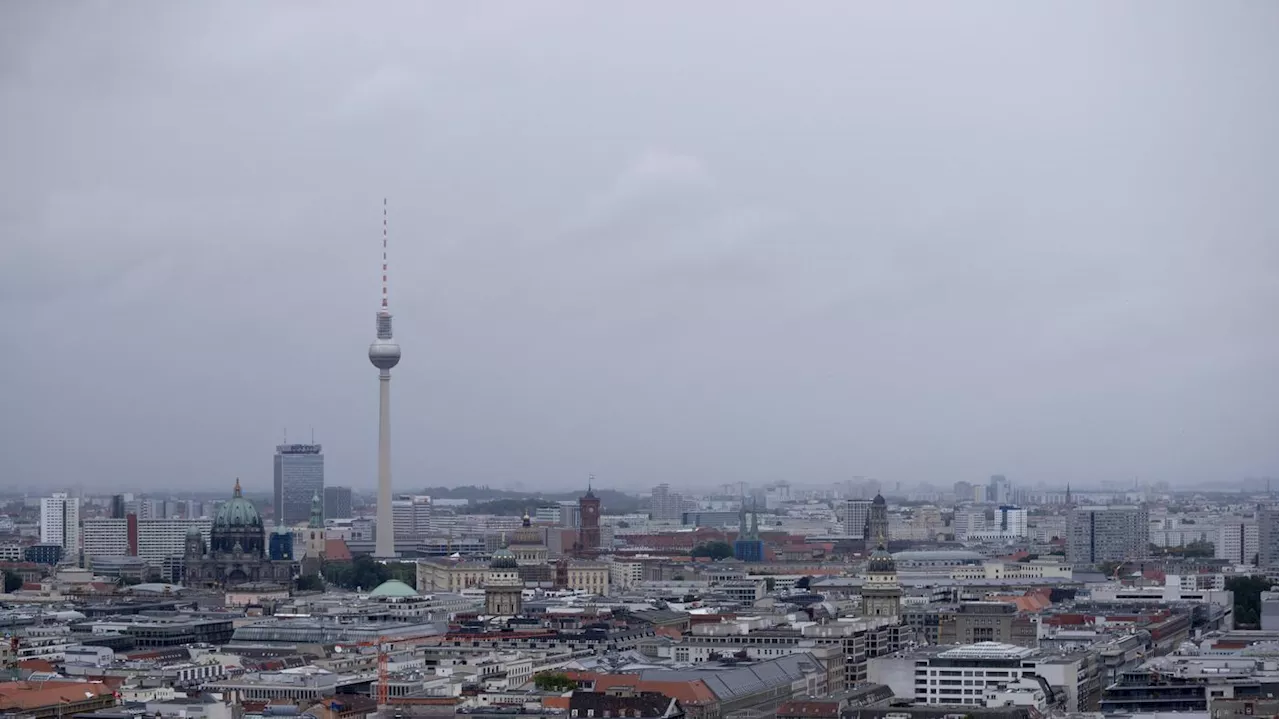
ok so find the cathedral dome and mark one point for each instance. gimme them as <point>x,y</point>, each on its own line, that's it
<point>239,512</point>
<point>879,499</point>
<point>882,562</point>
<point>504,559</point>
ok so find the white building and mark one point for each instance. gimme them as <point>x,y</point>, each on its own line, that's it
<point>1183,534</point>
<point>1172,591</point>
<point>984,674</point>
<point>853,517</point>
<point>105,537</point>
<point>411,516</point>
<point>158,539</point>
<point>967,521</point>
<point>60,522</point>
<point>1237,542</point>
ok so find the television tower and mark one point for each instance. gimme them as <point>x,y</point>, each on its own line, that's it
<point>384,353</point>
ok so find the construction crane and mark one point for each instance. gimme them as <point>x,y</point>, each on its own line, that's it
<point>388,645</point>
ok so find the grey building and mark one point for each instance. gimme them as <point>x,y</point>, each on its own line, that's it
<point>1106,534</point>
<point>974,622</point>
<point>299,476</point>
<point>853,517</point>
<point>1268,536</point>
<point>1269,615</point>
<point>709,519</point>
<point>337,503</point>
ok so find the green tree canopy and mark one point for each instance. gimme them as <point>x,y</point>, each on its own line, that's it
<point>1247,592</point>
<point>554,682</point>
<point>714,550</point>
<point>310,583</point>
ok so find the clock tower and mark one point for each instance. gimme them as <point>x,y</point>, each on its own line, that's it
<point>589,510</point>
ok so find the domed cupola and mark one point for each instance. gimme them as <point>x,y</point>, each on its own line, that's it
<point>504,559</point>
<point>238,512</point>
<point>881,562</point>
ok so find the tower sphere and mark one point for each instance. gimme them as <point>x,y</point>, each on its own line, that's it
<point>384,354</point>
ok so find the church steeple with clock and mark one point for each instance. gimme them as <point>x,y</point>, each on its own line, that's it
<point>589,511</point>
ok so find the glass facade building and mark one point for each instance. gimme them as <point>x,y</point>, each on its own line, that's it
<point>299,476</point>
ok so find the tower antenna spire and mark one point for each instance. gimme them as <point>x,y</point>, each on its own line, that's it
<point>384,353</point>
<point>385,308</point>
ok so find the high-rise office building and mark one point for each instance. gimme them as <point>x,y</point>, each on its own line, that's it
<point>118,506</point>
<point>412,515</point>
<point>105,537</point>
<point>1237,542</point>
<point>299,476</point>
<point>665,504</point>
<point>999,490</point>
<point>1107,534</point>
<point>151,509</point>
<point>1268,535</point>
<point>337,503</point>
<point>60,522</point>
<point>853,517</point>
<point>154,540</point>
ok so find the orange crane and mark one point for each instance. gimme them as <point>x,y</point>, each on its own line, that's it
<point>386,646</point>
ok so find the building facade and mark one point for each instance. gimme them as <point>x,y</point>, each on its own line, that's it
<point>60,522</point>
<point>1268,536</point>
<point>877,521</point>
<point>1107,534</point>
<point>589,530</point>
<point>236,551</point>
<point>881,592</point>
<point>299,476</point>
<point>974,622</point>
<point>853,517</point>
<point>665,504</point>
<point>337,502</point>
<point>503,590</point>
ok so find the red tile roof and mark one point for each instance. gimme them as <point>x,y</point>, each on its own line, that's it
<point>25,696</point>
<point>336,550</point>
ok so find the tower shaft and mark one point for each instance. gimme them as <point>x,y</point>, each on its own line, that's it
<point>385,540</point>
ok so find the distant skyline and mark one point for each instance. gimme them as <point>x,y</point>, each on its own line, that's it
<point>834,239</point>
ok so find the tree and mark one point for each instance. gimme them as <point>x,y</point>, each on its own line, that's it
<point>1248,598</point>
<point>12,582</point>
<point>714,550</point>
<point>310,583</point>
<point>363,572</point>
<point>554,682</point>
<point>803,582</point>
<point>406,572</point>
<point>1198,549</point>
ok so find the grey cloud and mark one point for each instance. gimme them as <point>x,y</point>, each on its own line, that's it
<point>923,244</point>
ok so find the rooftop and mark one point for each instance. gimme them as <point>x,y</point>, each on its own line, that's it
<point>989,650</point>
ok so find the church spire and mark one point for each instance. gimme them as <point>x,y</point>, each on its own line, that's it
<point>317,512</point>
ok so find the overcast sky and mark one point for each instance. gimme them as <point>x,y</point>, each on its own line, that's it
<point>683,242</point>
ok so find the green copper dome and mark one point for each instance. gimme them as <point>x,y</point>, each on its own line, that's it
<point>393,588</point>
<point>239,512</point>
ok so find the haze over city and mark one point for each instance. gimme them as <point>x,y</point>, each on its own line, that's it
<point>849,239</point>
